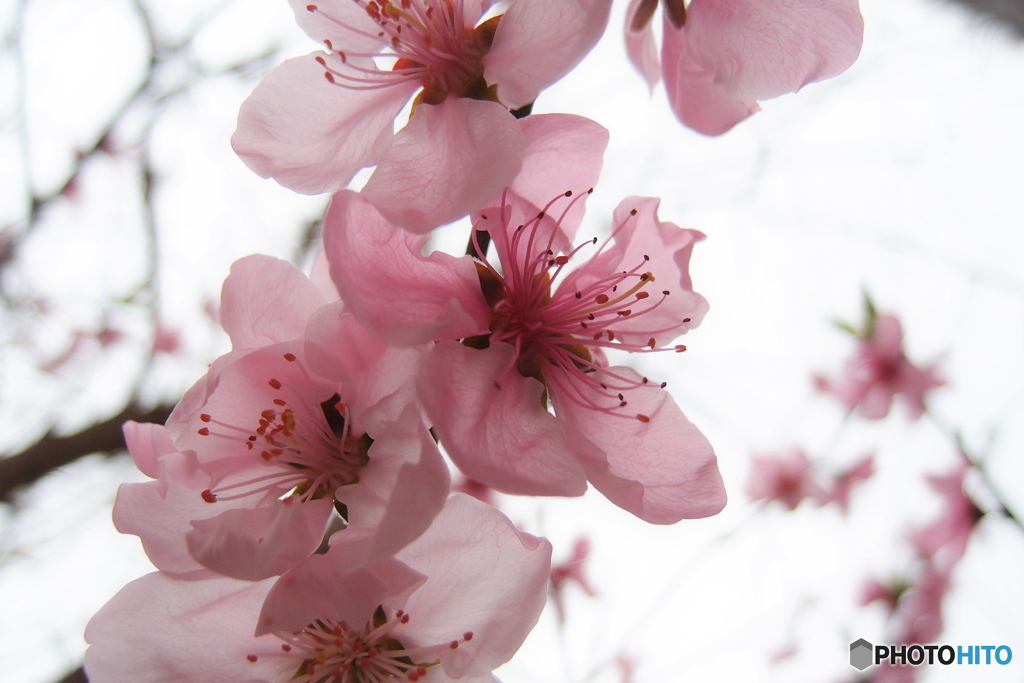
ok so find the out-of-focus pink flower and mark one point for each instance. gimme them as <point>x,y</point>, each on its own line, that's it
<point>879,371</point>
<point>533,332</point>
<point>791,478</point>
<point>453,605</point>
<point>718,57</point>
<point>259,454</point>
<point>166,340</point>
<point>316,120</point>
<point>571,571</point>
<point>787,478</point>
<point>838,490</point>
<point>950,532</point>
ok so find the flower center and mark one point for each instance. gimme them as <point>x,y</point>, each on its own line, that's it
<point>299,447</point>
<point>334,652</point>
<point>429,42</point>
<point>559,325</point>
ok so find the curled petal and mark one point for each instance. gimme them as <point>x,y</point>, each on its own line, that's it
<point>697,100</point>
<point>147,443</point>
<point>759,49</point>
<point>399,493</point>
<point>257,543</point>
<point>640,46</point>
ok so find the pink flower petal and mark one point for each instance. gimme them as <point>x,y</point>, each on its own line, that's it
<point>448,161</point>
<point>493,424</point>
<point>759,49</point>
<point>147,443</point>
<point>697,100</point>
<point>159,629</point>
<point>325,586</point>
<point>359,33</point>
<point>657,247</point>
<point>254,544</point>
<point>266,300</point>
<point>640,45</point>
<point>390,286</point>
<point>484,576</point>
<point>563,152</point>
<point>538,42</point>
<point>159,512</point>
<point>312,136</point>
<point>399,493</point>
<point>662,469</point>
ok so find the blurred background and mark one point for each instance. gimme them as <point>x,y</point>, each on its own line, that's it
<point>122,207</point>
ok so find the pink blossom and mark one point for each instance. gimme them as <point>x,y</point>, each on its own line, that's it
<point>949,533</point>
<point>571,571</point>
<point>316,120</point>
<point>532,333</point>
<point>879,371</point>
<point>718,57</point>
<point>452,605</point>
<point>262,451</point>
<point>841,485</point>
<point>787,478</point>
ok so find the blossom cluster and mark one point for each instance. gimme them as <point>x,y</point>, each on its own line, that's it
<point>299,512</point>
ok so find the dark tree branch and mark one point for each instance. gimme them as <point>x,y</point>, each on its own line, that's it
<point>53,451</point>
<point>1007,12</point>
<point>76,676</point>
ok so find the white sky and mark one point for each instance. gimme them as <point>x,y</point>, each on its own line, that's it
<point>903,176</point>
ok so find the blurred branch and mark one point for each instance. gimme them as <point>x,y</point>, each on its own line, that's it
<point>1007,12</point>
<point>76,676</point>
<point>53,451</point>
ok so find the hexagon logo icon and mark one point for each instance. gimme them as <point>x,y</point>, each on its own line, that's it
<point>861,652</point>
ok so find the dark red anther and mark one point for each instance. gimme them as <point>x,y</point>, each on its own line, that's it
<point>290,357</point>
<point>643,418</point>
<point>205,431</point>
<point>251,658</point>
<point>205,418</point>
<point>208,496</point>
<point>274,383</point>
<point>601,298</point>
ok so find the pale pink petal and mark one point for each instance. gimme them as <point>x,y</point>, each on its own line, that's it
<point>492,423</point>
<point>160,629</point>
<point>160,512</point>
<point>640,45</point>
<point>661,248</point>
<point>448,161</point>
<point>563,152</point>
<point>264,541</point>
<point>244,390</point>
<point>310,135</point>
<point>343,22</point>
<point>320,275</point>
<point>538,42</point>
<point>662,469</point>
<point>484,576</point>
<point>390,286</point>
<point>759,49</point>
<point>696,99</point>
<point>147,443</point>
<point>266,300</point>
<point>399,492</point>
<point>326,586</point>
